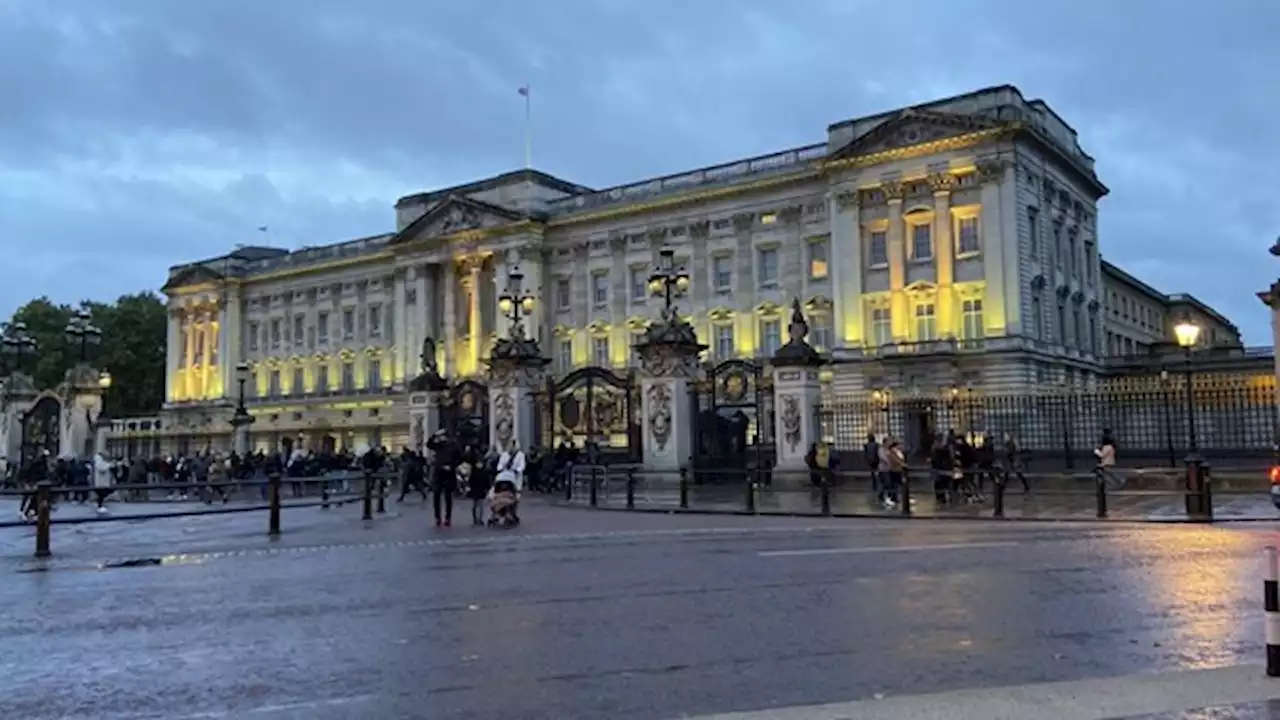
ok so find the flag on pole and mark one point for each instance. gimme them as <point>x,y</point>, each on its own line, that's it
<point>528,127</point>
<point>523,90</point>
<point>262,228</point>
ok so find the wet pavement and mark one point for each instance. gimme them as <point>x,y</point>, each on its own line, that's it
<point>1249,711</point>
<point>582,614</point>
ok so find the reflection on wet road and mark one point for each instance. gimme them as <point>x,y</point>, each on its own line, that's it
<point>567,618</point>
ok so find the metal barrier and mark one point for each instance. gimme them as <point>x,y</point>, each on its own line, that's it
<point>43,494</point>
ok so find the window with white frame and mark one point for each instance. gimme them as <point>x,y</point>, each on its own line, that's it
<point>564,356</point>
<point>1057,244</point>
<point>818,260</point>
<point>926,322</point>
<point>722,272</point>
<point>878,249</point>
<point>299,322</point>
<point>374,379</point>
<point>770,336</point>
<point>375,321</point>
<point>251,387</point>
<point>921,240</point>
<point>322,378</point>
<point>881,326</point>
<point>322,327</point>
<point>564,296</point>
<point>971,319</point>
<point>820,330</point>
<point>1073,260</point>
<point>967,242</point>
<point>724,341</point>
<point>253,337</point>
<point>639,284</point>
<point>275,332</point>
<point>767,267</point>
<point>273,384</point>
<point>299,385</point>
<point>348,376</point>
<point>600,289</point>
<point>1062,321</point>
<point>1037,317</point>
<point>1033,229</point>
<point>600,351</point>
<point>348,323</point>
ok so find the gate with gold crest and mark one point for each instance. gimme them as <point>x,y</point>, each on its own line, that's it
<point>733,418</point>
<point>594,406</point>
<point>466,412</point>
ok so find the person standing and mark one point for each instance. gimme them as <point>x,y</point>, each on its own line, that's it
<point>102,480</point>
<point>444,480</point>
<point>478,484</point>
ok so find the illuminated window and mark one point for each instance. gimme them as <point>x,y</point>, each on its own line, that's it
<point>374,381</point>
<point>878,249</point>
<point>273,384</point>
<point>724,341</point>
<point>253,337</point>
<point>881,326</point>
<point>563,295</point>
<point>348,376</point>
<point>967,236</point>
<point>600,351</point>
<point>375,321</point>
<point>639,284</point>
<point>322,378</point>
<point>820,331</point>
<point>251,386</point>
<point>818,260</point>
<point>926,323</point>
<point>921,242</point>
<point>322,327</point>
<point>768,218</point>
<point>299,385</point>
<point>770,337</point>
<point>767,271</point>
<point>564,356</point>
<point>971,319</point>
<point>722,269</point>
<point>600,289</point>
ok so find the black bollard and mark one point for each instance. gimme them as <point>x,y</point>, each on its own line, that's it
<point>382,497</point>
<point>273,511</point>
<point>367,497</point>
<point>568,483</point>
<point>999,498</point>
<point>324,495</point>
<point>751,494</point>
<point>1271,600</point>
<point>631,489</point>
<point>904,495</point>
<point>1102,493</point>
<point>1206,495</point>
<point>43,525</point>
<point>826,497</point>
<point>684,488</point>
<point>594,487</point>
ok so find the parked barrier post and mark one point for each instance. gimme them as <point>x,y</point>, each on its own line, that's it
<point>568,482</point>
<point>324,494</point>
<point>751,494</point>
<point>43,525</point>
<point>1206,494</point>
<point>1271,600</point>
<point>904,493</point>
<point>684,488</point>
<point>998,503</point>
<point>826,496</point>
<point>1193,491</point>
<point>631,489</point>
<point>594,489</point>
<point>367,497</point>
<point>273,500</point>
<point>382,497</point>
<point>1101,492</point>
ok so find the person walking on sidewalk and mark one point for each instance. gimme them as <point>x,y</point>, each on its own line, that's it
<point>871,454</point>
<point>412,474</point>
<point>444,480</point>
<point>1013,463</point>
<point>102,481</point>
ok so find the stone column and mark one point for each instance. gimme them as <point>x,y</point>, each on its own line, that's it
<point>516,372</point>
<point>945,251</point>
<point>668,362</point>
<point>403,353</point>
<point>188,354</point>
<point>449,275</point>
<point>999,305</point>
<point>16,396</point>
<point>81,407</point>
<point>796,395</point>
<point>846,265</point>
<point>173,349</point>
<point>475,323</point>
<point>895,192</point>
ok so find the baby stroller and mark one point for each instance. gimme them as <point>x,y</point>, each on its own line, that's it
<point>504,504</point>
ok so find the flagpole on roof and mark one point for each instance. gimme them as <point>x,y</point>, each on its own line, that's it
<point>528,127</point>
<point>263,229</point>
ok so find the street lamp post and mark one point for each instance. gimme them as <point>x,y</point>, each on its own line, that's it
<point>104,419</point>
<point>241,420</point>
<point>1168,417</point>
<point>17,345</point>
<point>1187,334</point>
<point>81,330</point>
<point>668,281</point>
<point>516,303</point>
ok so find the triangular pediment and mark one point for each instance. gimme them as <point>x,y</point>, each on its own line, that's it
<point>192,275</point>
<point>454,214</point>
<point>914,127</point>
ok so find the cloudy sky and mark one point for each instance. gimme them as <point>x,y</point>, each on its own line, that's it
<point>135,134</point>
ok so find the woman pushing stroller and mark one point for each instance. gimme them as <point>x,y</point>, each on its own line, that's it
<point>508,484</point>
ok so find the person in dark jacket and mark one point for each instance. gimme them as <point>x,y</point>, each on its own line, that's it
<point>482,474</point>
<point>444,480</point>
<point>413,474</point>
<point>871,454</point>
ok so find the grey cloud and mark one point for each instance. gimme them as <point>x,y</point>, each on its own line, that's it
<point>206,118</point>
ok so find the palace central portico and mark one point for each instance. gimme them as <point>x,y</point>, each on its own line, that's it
<point>953,244</point>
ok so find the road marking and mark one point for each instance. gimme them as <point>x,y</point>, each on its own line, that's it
<point>279,708</point>
<point>883,549</point>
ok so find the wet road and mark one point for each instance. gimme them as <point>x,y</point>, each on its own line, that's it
<point>629,617</point>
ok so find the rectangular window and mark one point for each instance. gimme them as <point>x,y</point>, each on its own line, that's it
<point>878,249</point>
<point>348,323</point>
<point>724,341</point>
<point>564,356</point>
<point>818,260</point>
<point>881,326</point>
<point>921,242</point>
<point>322,378</point>
<point>264,338</point>
<point>311,338</point>
<point>375,321</point>
<point>1062,322</point>
<point>639,284</point>
<point>926,323</point>
<point>1088,262</point>
<point>299,385</point>
<point>600,351</point>
<point>322,327</point>
<point>967,236</point>
<point>600,289</point>
<point>722,267</point>
<point>348,376</point>
<point>275,332</point>
<point>1037,318</point>
<point>273,384</point>
<point>251,387</point>
<point>1077,326</point>
<point>1073,261</point>
<point>767,271</point>
<point>820,331</point>
<point>1033,230</point>
<point>374,381</point>
<point>564,296</point>
<point>971,319</point>
<point>253,337</point>
<point>299,322</point>
<point>770,337</point>
<point>1057,244</point>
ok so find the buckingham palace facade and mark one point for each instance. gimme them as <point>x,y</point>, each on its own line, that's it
<point>949,243</point>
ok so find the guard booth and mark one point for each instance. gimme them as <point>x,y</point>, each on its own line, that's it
<point>733,422</point>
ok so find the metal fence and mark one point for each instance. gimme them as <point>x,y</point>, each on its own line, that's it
<point>1156,425</point>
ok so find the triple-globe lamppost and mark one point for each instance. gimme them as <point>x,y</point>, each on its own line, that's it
<point>241,419</point>
<point>516,303</point>
<point>81,332</point>
<point>668,282</point>
<point>17,345</point>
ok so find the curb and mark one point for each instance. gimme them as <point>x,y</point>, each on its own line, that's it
<point>899,518</point>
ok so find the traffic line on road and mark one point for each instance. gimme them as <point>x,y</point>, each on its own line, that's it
<point>276,709</point>
<point>883,549</point>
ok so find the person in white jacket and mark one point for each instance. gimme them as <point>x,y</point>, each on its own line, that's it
<point>102,480</point>
<point>511,466</point>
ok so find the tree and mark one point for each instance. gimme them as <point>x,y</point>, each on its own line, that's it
<point>132,349</point>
